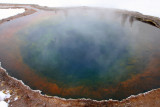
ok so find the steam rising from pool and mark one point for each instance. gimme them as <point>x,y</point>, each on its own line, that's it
<point>80,52</point>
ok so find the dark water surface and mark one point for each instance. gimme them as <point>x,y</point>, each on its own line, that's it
<point>80,53</point>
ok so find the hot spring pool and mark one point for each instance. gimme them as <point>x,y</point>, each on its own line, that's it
<point>82,53</point>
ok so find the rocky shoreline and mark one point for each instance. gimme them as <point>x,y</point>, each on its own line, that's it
<point>27,97</point>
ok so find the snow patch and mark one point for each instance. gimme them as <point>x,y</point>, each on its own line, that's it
<point>5,13</point>
<point>16,98</point>
<point>4,94</point>
<point>3,104</point>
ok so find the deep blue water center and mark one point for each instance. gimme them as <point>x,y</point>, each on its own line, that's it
<point>87,53</point>
<point>77,51</point>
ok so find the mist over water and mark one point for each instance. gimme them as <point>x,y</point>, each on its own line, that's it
<point>76,51</point>
<point>84,53</point>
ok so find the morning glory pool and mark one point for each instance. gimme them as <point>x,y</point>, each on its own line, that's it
<point>82,53</point>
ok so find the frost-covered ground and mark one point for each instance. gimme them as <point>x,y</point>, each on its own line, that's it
<point>6,97</point>
<point>5,13</point>
<point>4,94</point>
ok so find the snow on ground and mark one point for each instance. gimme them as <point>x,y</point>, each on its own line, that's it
<point>4,95</point>
<point>3,104</point>
<point>148,7</point>
<point>5,13</point>
<point>16,98</point>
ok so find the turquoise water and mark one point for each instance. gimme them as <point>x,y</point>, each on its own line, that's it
<point>77,52</point>
<point>83,54</point>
